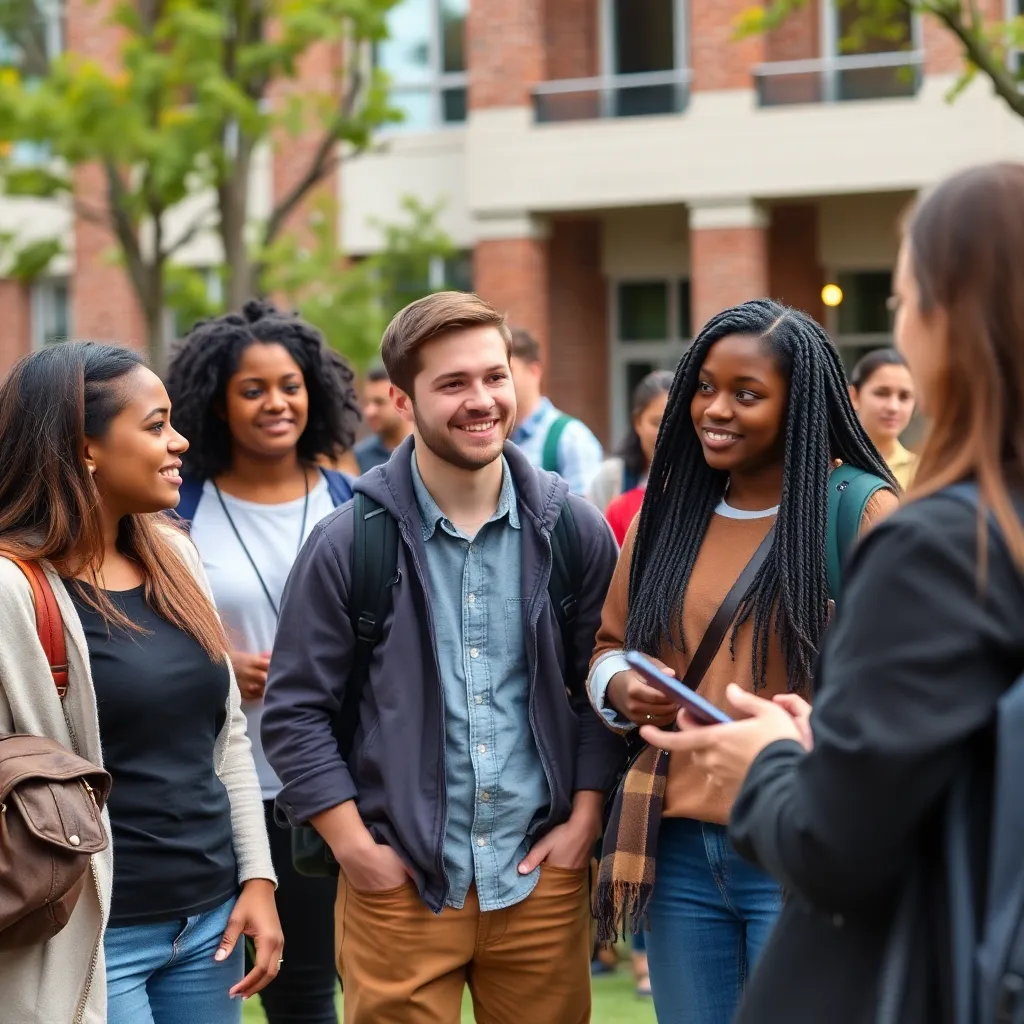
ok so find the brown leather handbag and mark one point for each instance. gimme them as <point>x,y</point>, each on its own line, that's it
<point>50,806</point>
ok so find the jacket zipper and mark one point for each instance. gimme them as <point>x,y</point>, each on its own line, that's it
<point>439,851</point>
<point>80,1012</point>
<point>534,615</point>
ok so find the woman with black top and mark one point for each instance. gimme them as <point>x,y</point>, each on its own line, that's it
<point>263,400</point>
<point>845,808</point>
<point>89,462</point>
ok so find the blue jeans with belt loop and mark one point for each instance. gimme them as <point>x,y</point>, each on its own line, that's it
<point>710,915</point>
<point>164,973</point>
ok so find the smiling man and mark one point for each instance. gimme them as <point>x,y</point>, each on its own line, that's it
<point>465,814</point>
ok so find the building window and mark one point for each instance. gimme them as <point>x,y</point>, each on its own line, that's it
<point>425,57</point>
<point>29,49</point>
<point>51,307</point>
<point>882,66</point>
<point>652,326</point>
<point>644,58</point>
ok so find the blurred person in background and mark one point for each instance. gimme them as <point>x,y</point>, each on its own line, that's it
<point>263,400</point>
<point>89,466</point>
<point>551,439</point>
<point>882,392</point>
<point>387,428</point>
<point>847,808</point>
<point>758,415</point>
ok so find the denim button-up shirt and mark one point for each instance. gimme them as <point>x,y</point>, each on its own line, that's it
<point>497,789</point>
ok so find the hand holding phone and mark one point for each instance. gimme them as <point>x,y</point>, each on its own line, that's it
<point>699,709</point>
<point>634,698</point>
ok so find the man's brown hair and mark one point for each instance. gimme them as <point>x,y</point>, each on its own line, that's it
<point>428,318</point>
<point>525,346</point>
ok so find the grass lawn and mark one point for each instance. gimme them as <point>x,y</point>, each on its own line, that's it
<point>614,1003</point>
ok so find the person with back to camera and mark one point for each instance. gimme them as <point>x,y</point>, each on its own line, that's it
<point>89,464</point>
<point>758,419</point>
<point>847,807</point>
<point>883,394</point>
<point>263,400</point>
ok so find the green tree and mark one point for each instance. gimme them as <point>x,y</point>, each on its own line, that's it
<point>175,126</point>
<point>989,45</point>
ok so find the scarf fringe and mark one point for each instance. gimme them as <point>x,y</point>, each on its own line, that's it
<point>617,903</point>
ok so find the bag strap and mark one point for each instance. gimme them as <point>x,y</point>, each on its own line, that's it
<point>563,586</point>
<point>549,460</point>
<point>713,636</point>
<point>849,491</point>
<point>374,568</point>
<point>49,622</point>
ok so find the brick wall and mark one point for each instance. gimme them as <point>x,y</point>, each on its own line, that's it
<point>718,60</point>
<point>795,274</point>
<point>103,304</point>
<point>728,266</point>
<point>512,275</point>
<point>16,316</point>
<point>577,370</point>
<point>505,43</point>
<point>572,38</point>
<point>798,37</point>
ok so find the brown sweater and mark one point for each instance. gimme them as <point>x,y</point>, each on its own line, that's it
<point>728,545</point>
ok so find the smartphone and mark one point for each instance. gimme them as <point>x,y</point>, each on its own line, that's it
<point>696,706</point>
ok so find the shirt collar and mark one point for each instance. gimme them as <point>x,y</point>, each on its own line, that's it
<point>532,423</point>
<point>431,515</point>
<point>901,456</point>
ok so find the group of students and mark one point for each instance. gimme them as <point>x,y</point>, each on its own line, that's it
<point>211,572</point>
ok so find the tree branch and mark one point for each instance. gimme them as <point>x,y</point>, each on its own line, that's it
<point>92,214</point>
<point>323,162</point>
<point>126,232</point>
<point>200,222</point>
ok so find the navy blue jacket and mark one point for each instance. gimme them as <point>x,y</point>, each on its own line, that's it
<point>396,771</point>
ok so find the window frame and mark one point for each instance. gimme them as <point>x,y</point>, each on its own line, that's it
<point>436,85</point>
<point>42,294</point>
<point>680,38</point>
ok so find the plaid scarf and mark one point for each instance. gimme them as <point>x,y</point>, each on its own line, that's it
<point>625,878</point>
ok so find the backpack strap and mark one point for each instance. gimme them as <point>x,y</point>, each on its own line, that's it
<point>189,495</point>
<point>849,491</point>
<point>549,459</point>
<point>563,585</point>
<point>49,622</point>
<point>374,568</point>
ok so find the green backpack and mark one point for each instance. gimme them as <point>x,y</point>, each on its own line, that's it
<point>849,491</point>
<point>549,458</point>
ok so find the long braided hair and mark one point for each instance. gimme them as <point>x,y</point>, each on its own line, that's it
<point>789,596</point>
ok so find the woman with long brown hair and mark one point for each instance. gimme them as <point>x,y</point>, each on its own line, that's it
<point>846,808</point>
<point>89,464</point>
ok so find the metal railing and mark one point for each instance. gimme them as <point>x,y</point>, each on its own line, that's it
<point>635,95</point>
<point>862,76</point>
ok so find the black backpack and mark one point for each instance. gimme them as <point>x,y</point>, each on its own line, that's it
<point>374,572</point>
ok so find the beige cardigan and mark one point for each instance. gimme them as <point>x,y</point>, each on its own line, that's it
<point>63,981</point>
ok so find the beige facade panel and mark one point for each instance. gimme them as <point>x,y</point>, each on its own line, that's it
<point>860,232</point>
<point>646,242</point>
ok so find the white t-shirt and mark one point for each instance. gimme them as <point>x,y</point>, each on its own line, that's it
<point>271,533</point>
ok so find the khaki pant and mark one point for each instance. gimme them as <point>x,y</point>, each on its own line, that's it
<point>402,964</point>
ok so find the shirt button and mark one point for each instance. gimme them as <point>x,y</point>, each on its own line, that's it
<point>481,841</point>
<point>485,796</point>
<point>838,921</point>
<point>471,599</point>
<point>482,748</point>
<point>474,652</point>
<point>479,699</point>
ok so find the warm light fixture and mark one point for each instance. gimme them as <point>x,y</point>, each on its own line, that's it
<point>831,295</point>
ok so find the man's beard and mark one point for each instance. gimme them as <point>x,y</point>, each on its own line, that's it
<point>441,444</point>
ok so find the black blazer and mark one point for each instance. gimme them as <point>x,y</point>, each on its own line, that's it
<point>908,681</point>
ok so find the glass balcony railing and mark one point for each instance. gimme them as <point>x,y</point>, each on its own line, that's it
<point>862,76</point>
<point>636,95</point>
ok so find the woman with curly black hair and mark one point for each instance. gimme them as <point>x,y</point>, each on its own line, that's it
<point>263,402</point>
<point>758,419</point>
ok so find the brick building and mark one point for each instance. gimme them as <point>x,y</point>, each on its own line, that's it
<point>614,172</point>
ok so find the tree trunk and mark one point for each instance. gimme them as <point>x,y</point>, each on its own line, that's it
<point>233,200</point>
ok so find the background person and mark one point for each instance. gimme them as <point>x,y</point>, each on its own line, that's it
<point>387,428</point>
<point>150,697</point>
<point>263,399</point>
<point>627,469</point>
<point>882,392</point>
<point>849,810</point>
<point>551,439</point>
<point>758,415</point>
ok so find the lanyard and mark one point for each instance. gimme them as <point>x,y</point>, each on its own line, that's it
<point>248,553</point>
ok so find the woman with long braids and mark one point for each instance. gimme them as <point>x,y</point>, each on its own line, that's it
<point>757,419</point>
<point>263,401</point>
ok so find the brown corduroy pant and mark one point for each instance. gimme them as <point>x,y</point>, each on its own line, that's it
<point>402,964</point>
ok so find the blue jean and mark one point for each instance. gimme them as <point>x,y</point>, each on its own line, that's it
<point>710,916</point>
<point>165,973</point>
